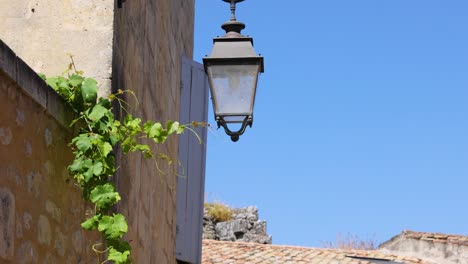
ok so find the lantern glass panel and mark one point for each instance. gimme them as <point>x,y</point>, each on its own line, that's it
<point>233,89</point>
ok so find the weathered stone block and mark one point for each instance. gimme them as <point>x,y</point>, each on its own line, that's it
<point>259,228</point>
<point>232,230</point>
<point>6,136</point>
<point>257,239</point>
<point>27,253</point>
<point>249,213</point>
<point>209,230</point>
<point>44,232</point>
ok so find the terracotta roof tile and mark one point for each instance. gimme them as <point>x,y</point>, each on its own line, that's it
<point>221,252</point>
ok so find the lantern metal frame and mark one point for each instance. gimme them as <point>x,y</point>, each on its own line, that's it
<point>233,49</point>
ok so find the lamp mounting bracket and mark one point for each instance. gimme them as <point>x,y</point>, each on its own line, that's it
<point>233,7</point>
<point>233,25</point>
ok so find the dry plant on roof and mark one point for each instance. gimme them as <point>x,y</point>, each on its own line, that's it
<point>350,242</point>
<point>219,211</point>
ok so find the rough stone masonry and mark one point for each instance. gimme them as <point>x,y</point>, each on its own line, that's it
<point>244,227</point>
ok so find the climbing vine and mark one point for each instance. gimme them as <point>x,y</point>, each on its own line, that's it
<point>99,132</point>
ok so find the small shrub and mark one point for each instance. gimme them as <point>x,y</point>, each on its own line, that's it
<point>219,212</point>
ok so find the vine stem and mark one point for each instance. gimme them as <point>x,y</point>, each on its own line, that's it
<point>195,133</point>
<point>73,63</point>
<point>99,251</point>
<point>87,123</point>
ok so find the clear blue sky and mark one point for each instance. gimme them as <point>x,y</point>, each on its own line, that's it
<point>361,118</point>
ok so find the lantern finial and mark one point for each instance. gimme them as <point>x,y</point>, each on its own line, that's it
<point>233,25</point>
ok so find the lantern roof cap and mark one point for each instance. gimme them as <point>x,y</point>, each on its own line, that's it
<point>229,49</point>
<point>232,48</point>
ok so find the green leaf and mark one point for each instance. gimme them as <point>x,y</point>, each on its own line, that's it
<point>118,256</point>
<point>109,165</point>
<point>43,76</point>
<point>147,126</point>
<point>87,163</point>
<point>73,122</point>
<point>105,148</point>
<point>88,174</point>
<point>142,148</point>
<point>105,102</point>
<point>52,82</point>
<point>116,124</point>
<point>145,149</point>
<point>77,165</point>
<point>156,131</point>
<point>104,196</point>
<point>113,227</point>
<point>133,124</point>
<point>175,127</point>
<point>119,245</point>
<point>128,118</point>
<point>97,113</point>
<point>172,127</point>
<point>63,85</point>
<point>180,129</point>
<point>88,168</point>
<point>82,142</point>
<point>128,144</point>
<point>97,168</point>
<point>75,80</point>
<point>102,127</point>
<point>114,138</point>
<point>89,91</point>
<point>91,223</point>
<point>148,154</point>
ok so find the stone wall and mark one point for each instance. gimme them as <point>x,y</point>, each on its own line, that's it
<point>244,227</point>
<point>43,32</point>
<point>40,210</point>
<point>149,41</point>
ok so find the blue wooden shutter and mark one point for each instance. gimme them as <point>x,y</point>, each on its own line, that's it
<point>192,156</point>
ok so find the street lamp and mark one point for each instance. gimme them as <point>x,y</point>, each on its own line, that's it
<point>233,68</point>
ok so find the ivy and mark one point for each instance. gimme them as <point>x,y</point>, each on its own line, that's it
<point>93,147</point>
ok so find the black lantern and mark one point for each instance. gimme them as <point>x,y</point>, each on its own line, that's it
<point>233,69</point>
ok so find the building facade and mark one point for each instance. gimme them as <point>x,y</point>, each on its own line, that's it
<point>140,45</point>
